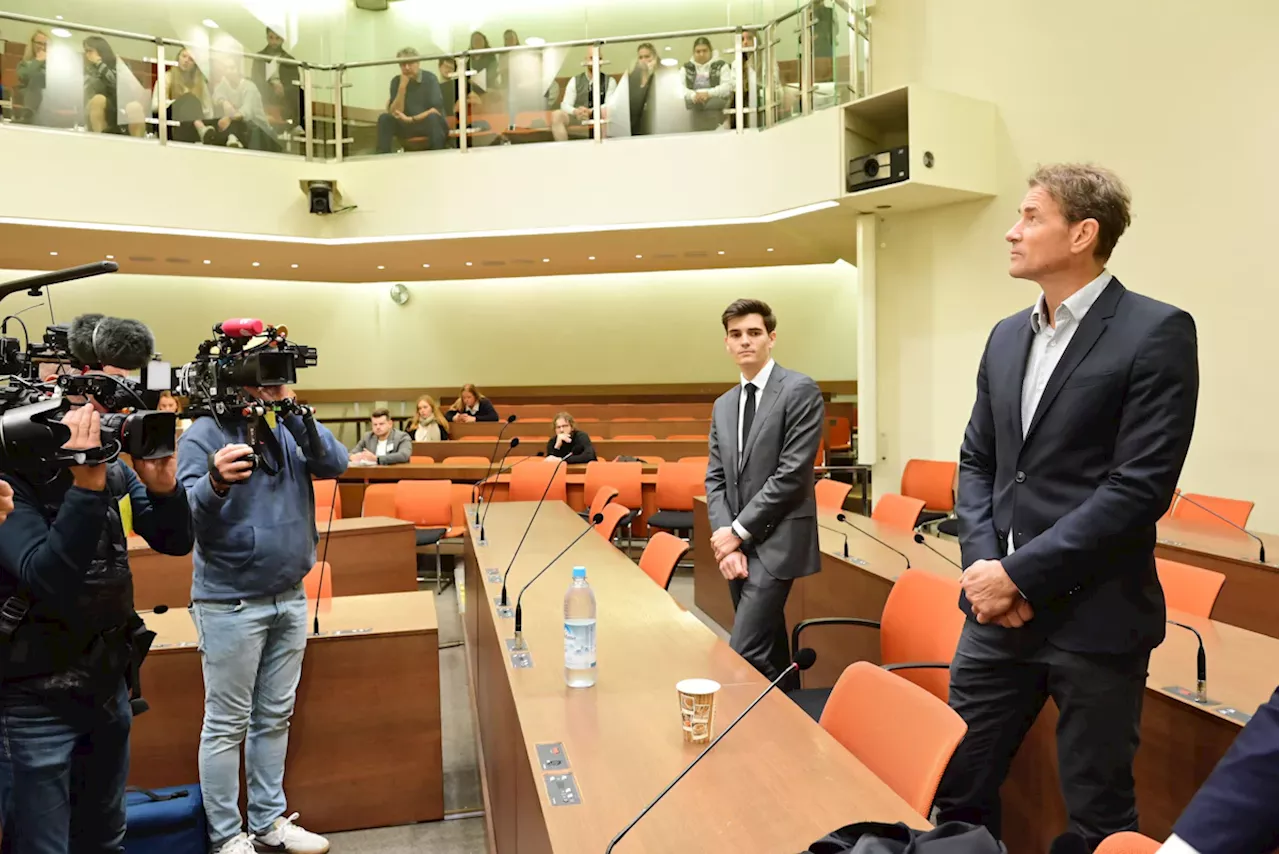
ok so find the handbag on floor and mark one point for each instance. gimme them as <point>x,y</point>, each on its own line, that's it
<point>165,821</point>
<point>870,837</point>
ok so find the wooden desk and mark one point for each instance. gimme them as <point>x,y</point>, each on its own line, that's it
<point>364,742</point>
<point>373,555</point>
<point>1251,592</point>
<point>534,434</point>
<point>670,450</point>
<point>1181,741</point>
<point>777,783</point>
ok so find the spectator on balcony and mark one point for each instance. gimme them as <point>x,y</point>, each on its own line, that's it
<point>449,87</point>
<point>243,122</point>
<point>187,100</point>
<point>429,423</point>
<point>579,98</point>
<point>708,86</point>
<point>568,443</point>
<point>470,407</point>
<point>100,77</point>
<point>485,65</point>
<point>32,78</point>
<point>278,82</point>
<point>415,108</point>
<point>752,93</point>
<point>640,87</point>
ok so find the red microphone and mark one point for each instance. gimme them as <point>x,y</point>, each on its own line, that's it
<point>240,327</point>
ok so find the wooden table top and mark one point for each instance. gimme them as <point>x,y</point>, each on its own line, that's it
<point>340,617</point>
<point>1242,665</point>
<point>777,783</point>
<point>468,474</point>
<point>1218,540</point>
<point>349,527</point>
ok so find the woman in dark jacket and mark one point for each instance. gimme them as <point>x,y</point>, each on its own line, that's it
<point>100,85</point>
<point>569,443</point>
<point>470,406</point>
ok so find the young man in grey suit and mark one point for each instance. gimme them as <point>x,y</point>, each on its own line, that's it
<point>764,437</point>
<point>384,445</point>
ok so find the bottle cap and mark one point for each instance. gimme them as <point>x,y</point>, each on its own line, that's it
<point>579,572</point>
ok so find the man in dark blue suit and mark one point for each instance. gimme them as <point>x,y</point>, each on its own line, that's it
<point>1083,417</point>
<point>1235,810</point>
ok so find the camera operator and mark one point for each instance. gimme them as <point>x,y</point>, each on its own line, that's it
<point>71,643</point>
<point>255,541</point>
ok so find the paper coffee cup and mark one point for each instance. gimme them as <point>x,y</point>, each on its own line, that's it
<point>697,708</point>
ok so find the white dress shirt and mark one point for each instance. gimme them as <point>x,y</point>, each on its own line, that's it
<point>760,381</point>
<point>382,448</point>
<point>1174,845</point>
<point>1050,342</point>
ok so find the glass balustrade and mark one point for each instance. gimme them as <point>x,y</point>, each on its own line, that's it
<point>210,89</point>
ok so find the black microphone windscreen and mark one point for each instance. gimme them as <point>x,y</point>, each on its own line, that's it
<point>840,517</point>
<point>116,341</point>
<point>805,658</point>
<point>515,441</point>
<point>1069,843</point>
<point>597,519</point>
<point>511,418</point>
<point>919,538</point>
<point>159,609</point>
<point>80,338</point>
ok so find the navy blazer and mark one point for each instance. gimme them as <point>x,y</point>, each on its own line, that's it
<point>1083,491</point>
<point>1235,810</point>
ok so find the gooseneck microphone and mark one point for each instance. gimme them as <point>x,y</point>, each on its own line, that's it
<point>159,609</point>
<point>922,540</point>
<point>841,517</point>
<point>510,420</point>
<point>1202,681</point>
<point>478,492</point>
<point>550,480</point>
<point>519,636</point>
<point>1262,548</point>
<point>803,661</point>
<point>841,533</point>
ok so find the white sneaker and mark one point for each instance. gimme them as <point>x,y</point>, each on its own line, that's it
<point>290,838</point>
<point>233,141</point>
<point>242,844</point>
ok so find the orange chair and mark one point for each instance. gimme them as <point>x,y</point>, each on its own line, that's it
<point>639,437</point>
<point>839,435</point>
<point>1234,509</point>
<point>1127,842</point>
<point>701,462</point>
<point>660,556</point>
<point>379,500</point>
<point>530,482</point>
<point>603,497</point>
<point>624,477</point>
<point>613,516</point>
<point>327,495</point>
<point>428,504</point>
<point>1189,588</point>
<point>901,732</point>
<point>688,437</point>
<point>460,494</point>
<point>678,484</point>
<point>466,461</point>
<point>831,493</point>
<point>318,582</point>
<point>1168,514</point>
<point>897,511</point>
<point>421,460</point>
<point>919,629</point>
<point>932,482</point>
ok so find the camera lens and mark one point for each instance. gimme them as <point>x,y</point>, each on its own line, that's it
<point>871,167</point>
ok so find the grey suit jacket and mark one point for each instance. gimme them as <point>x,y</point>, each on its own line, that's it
<point>400,443</point>
<point>770,490</point>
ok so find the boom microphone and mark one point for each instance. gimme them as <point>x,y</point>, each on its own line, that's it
<point>550,480</point>
<point>920,538</point>
<point>519,636</point>
<point>479,493</point>
<point>841,533</point>
<point>510,420</point>
<point>845,520</point>
<point>240,327</point>
<point>1202,681</point>
<point>803,661</point>
<point>95,340</point>
<point>1262,548</point>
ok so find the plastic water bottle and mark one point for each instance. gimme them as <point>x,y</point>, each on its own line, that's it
<point>579,632</point>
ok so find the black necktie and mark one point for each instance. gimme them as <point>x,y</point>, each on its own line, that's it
<point>748,413</point>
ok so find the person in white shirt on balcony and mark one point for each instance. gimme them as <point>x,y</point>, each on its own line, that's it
<point>579,98</point>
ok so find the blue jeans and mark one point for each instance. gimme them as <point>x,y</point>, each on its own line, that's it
<point>433,127</point>
<point>251,652</point>
<point>62,777</point>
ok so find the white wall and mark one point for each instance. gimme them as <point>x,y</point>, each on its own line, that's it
<point>1180,99</point>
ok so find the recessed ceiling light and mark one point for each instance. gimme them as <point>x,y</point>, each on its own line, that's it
<point>720,252</point>
<point>669,61</point>
<point>591,257</point>
<point>639,256</point>
<point>468,263</point>
<point>59,17</point>
<point>256,264</point>
<point>210,23</point>
<point>381,267</point>
<point>53,253</point>
<point>535,41</point>
<point>668,47</point>
<point>770,249</point>
<point>111,257</point>
<point>61,32</point>
<point>425,266</point>
<point>544,260</point>
<point>207,261</point>
<point>294,266</point>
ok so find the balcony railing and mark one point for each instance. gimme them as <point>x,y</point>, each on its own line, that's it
<point>80,78</point>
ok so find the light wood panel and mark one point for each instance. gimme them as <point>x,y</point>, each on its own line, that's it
<point>669,450</point>
<point>548,397</point>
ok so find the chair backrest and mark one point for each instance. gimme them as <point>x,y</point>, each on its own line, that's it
<point>379,500</point>
<point>530,480</point>
<point>613,514</point>
<point>327,495</point>
<point>901,732</point>
<point>660,556</point>
<point>700,462</point>
<point>1189,588</point>
<point>421,460</point>
<point>466,461</point>
<point>678,483</point>
<point>639,437</point>
<point>674,418</point>
<point>626,419</point>
<point>425,503</point>
<point>460,495</point>
<point>1127,842</point>
<point>839,432</point>
<point>897,511</point>
<point>1235,509</point>
<point>831,493</point>
<point>604,495</point>
<point>624,477</point>
<point>930,481</point>
<point>687,437</point>
<point>318,582</point>
<point>920,622</point>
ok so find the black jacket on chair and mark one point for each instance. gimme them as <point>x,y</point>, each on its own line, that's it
<point>1083,491</point>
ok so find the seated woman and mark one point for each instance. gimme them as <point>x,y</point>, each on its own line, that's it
<point>32,78</point>
<point>471,406</point>
<point>569,443</point>
<point>169,403</point>
<point>105,79</point>
<point>429,425</point>
<point>186,99</point>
